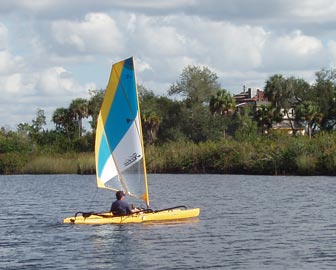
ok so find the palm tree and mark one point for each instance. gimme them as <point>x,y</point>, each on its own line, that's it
<point>265,115</point>
<point>94,105</point>
<point>275,90</point>
<point>151,123</point>
<point>223,104</point>
<point>79,110</point>
<point>309,111</point>
<point>62,119</point>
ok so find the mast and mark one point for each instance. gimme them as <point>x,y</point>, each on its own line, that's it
<point>146,195</point>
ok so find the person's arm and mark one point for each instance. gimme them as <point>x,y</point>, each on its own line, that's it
<point>127,207</point>
<point>135,210</point>
<point>130,210</point>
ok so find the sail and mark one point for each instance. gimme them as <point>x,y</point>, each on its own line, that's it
<point>119,151</point>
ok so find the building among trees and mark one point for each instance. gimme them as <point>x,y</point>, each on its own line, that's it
<point>256,100</point>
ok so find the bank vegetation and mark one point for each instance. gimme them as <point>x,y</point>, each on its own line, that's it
<point>196,128</point>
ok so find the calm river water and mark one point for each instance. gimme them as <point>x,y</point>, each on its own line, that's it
<point>246,222</point>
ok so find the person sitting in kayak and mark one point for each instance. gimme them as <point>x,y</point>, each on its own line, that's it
<point>121,207</point>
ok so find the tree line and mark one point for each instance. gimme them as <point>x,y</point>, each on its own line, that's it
<point>196,109</point>
<point>208,112</point>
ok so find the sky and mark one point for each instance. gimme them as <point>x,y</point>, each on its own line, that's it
<point>53,51</point>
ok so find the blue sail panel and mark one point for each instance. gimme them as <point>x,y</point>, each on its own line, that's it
<point>124,106</point>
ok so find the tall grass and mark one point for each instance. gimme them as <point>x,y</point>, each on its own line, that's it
<point>82,163</point>
<point>271,155</point>
<point>86,163</point>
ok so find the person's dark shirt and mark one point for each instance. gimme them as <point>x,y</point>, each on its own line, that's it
<point>120,207</point>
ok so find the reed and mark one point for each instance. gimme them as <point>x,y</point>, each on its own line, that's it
<point>82,163</point>
<point>86,163</point>
<point>263,155</point>
<point>307,165</point>
<point>271,155</point>
<point>51,165</point>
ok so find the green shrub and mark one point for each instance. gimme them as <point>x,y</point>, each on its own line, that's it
<point>12,162</point>
<point>272,154</point>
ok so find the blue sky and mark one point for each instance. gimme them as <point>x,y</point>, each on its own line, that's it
<point>52,51</point>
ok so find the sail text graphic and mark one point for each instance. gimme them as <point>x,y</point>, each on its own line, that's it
<point>131,159</point>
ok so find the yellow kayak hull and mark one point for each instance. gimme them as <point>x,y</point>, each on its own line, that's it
<point>108,218</point>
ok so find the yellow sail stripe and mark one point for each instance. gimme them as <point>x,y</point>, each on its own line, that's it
<point>105,109</point>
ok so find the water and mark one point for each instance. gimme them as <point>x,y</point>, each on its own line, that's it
<point>246,222</point>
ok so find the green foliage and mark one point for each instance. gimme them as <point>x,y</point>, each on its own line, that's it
<point>94,104</point>
<point>64,123</point>
<point>276,92</point>
<point>79,110</point>
<point>84,143</point>
<point>325,97</point>
<point>326,149</point>
<point>243,126</point>
<point>309,112</point>
<point>313,105</point>
<point>69,121</point>
<point>52,142</point>
<point>222,103</point>
<point>265,116</point>
<point>39,121</point>
<point>14,142</point>
<point>201,133</point>
<point>222,106</point>
<point>163,119</point>
<point>12,162</point>
<point>272,155</point>
<point>197,84</point>
<point>306,164</point>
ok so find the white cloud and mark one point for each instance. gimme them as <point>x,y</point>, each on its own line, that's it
<point>293,51</point>
<point>3,37</point>
<point>97,33</point>
<point>323,10</point>
<point>225,45</point>
<point>299,44</point>
<point>142,66</point>
<point>56,87</point>
<point>23,93</point>
<point>55,81</point>
<point>332,50</point>
<point>55,51</point>
<point>164,44</point>
<point>9,63</point>
<point>13,84</point>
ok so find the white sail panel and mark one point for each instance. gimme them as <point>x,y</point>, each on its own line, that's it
<point>109,171</point>
<point>126,157</point>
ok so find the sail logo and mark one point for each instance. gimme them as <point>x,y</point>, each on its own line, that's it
<point>132,158</point>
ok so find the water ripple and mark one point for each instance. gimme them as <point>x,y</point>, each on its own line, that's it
<point>246,222</point>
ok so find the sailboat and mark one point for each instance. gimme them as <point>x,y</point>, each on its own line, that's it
<point>119,153</point>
